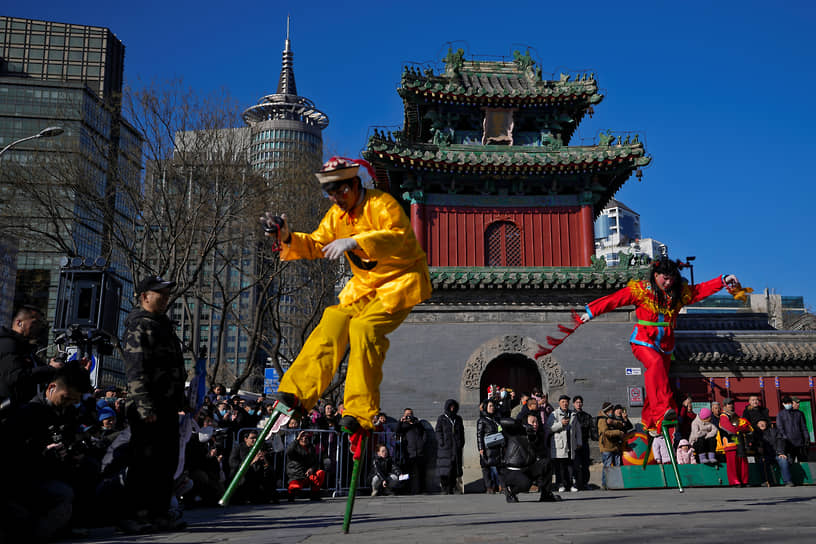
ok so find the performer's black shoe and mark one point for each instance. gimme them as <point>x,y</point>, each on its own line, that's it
<point>670,415</point>
<point>509,495</point>
<point>551,497</point>
<point>289,401</point>
<point>349,424</point>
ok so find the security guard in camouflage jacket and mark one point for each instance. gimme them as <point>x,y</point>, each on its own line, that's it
<point>156,375</point>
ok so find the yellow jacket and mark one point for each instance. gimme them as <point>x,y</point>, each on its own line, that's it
<point>380,227</point>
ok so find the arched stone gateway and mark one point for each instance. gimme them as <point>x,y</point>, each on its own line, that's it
<point>552,375</point>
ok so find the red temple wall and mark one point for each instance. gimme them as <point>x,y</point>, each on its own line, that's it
<point>455,235</point>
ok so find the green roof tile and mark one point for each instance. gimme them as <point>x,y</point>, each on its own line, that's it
<point>454,277</point>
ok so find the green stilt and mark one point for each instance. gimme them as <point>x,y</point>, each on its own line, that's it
<point>355,477</point>
<point>665,428</point>
<point>280,409</point>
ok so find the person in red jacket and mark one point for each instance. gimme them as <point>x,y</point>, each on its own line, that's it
<point>657,302</point>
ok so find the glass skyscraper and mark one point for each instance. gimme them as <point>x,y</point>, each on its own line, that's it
<point>67,75</point>
<point>286,128</point>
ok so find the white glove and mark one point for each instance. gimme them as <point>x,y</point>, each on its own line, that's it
<point>731,280</point>
<point>584,317</point>
<point>335,249</point>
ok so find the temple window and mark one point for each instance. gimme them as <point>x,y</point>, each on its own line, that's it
<point>503,244</point>
<point>498,126</point>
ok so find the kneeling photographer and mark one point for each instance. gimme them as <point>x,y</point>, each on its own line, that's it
<point>258,483</point>
<point>525,460</point>
<point>43,460</point>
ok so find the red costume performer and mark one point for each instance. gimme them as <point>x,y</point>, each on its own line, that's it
<point>733,430</point>
<point>652,339</point>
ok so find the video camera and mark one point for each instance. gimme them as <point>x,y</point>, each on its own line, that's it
<point>82,341</point>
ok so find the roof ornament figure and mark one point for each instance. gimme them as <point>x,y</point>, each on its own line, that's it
<point>454,61</point>
<point>524,62</point>
<point>606,139</point>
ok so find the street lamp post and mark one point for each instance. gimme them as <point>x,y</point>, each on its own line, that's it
<point>44,133</point>
<point>691,267</point>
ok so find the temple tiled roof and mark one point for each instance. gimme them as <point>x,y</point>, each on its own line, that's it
<point>716,350</point>
<point>725,321</point>
<point>476,83</point>
<point>454,277</point>
<point>478,159</point>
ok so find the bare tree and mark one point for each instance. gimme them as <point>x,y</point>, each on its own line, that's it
<point>191,215</point>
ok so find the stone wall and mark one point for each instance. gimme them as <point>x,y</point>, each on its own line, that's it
<point>434,354</point>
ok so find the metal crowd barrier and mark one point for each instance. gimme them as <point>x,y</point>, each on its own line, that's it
<point>332,448</point>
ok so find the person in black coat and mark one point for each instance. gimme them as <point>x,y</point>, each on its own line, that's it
<point>258,483</point>
<point>755,411</point>
<point>302,464</point>
<point>525,460</point>
<point>790,422</point>
<point>450,437</point>
<point>769,444</point>
<point>589,431</point>
<point>20,370</point>
<point>411,435</point>
<point>385,474</point>
<point>42,464</point>
<point>489,457</point>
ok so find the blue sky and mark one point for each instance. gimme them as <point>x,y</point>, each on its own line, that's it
<point>720,94</point>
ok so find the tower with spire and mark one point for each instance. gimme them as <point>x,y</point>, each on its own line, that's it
<point>286,129</point>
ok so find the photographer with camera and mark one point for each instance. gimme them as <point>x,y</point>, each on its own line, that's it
<point>411,434</point>
<point>258,484</point>
<point>21,372</point>
<point>41,459</point>
<point>156,374</point>
<point>525,461</point>
<point>565,439</point>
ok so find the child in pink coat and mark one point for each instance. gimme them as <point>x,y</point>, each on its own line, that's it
<point>685,453</point>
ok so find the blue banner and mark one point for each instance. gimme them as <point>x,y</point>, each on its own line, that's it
<point>198,385</point>
<point>271,381</point>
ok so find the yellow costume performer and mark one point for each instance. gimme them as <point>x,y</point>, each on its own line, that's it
<point>390,277</point>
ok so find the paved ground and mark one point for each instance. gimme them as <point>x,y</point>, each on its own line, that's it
<point>700,515</point>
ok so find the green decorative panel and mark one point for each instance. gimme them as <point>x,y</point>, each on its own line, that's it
<point>661,476</point>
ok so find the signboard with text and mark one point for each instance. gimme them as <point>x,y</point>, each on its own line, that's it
<point>271,381</point>
<point>635,395</point>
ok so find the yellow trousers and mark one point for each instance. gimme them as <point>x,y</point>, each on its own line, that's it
<point>363,327</point>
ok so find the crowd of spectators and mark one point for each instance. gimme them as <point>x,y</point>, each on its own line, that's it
<point>69,454</point>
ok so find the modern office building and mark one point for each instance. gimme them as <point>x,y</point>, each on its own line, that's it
<point>66,75</point>
<point>617,232</point>
<point>8,274</point>
<point>286,128</point>
<point>46,50</point>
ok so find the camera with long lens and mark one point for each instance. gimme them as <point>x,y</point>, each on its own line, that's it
<point>272,224</point>
<point>82,341</point>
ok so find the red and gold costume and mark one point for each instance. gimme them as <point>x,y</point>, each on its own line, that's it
<point>736,461</point>
<point>652,339</point>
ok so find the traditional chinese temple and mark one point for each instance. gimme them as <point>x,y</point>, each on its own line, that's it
<point>503,204</point>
